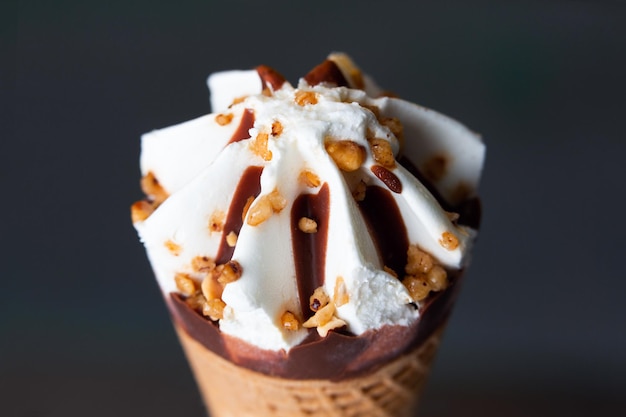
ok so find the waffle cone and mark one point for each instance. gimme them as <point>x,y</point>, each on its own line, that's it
<point>232,391</point>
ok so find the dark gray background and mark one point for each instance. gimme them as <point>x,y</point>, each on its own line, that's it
<point>540,327</point>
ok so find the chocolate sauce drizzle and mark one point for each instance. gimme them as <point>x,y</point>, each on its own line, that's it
<point>385,224</point>
<point>246,123</point>
<point>326,72</point>
<point>309,249</point>
<point>249,186</point>
<point>269,76</point>
<point>389,178</point>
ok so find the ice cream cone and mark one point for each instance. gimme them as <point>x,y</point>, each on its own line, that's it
<point>232,391</point>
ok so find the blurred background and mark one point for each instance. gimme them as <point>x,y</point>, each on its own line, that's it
<point>540,328</point>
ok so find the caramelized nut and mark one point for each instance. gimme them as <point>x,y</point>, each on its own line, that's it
<point>260,211</point>
<point>277,201</point>
<point>359,192</point>
<point>333,323</point>
<point>395,126</point>
<point>437,278</point>
<point>340,296</point>
<point>202,264</point>
<point>305,97</point>
<point>152,188</point>
<point>185,284</point>
<point>238,100</point>
<point>382,153</point>
<point>231,271</point>
<point>277,128</point>
<point>216,221</point>
<point>418,261</point>
<point>319,299</point>
<point>321,316</point>
<point>348,155</point>
<point>309,179</point>
<point>246,207</point>
<point>211,288</point>
<point>174,248</point>
<point>390,271</point>
<point>307,225</point>
<point>196,302</point>
<point>259,146</point>
<point>231,239</point>
<point>449,241</point>
<point>224,119</point>
<point>289,321</point>
<point>140,211</point>
<point>435,168</point>
<point>418,287</point>
<point>214,309</point>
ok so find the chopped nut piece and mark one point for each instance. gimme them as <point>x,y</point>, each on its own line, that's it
<point>449,241</point>
<point>418,287</point>
<point>437,278</point>
<point>231,239</point>
<point>305,97</point>
<point>185,284</point>
<point>174,248</point>
<point>140,211</point>
<point>321,316</point>
<point>152,188</point>
<point>340,296</point>
<point>196,302</point>
<point>348,155</point>
<point>319,299</point>
<point>395,126</point>
<point>373,109</point>
<point>246,207</point>
<point>435,168</point>
<point>214,309</point>
<point>307,225</point>
<point>309,178</point>
<point>277,201</point>
<point>238,100</point>
<point>289,321</point>
<point>277,128</point>
<point>259,146</point>
<point>224,119</point>
<point>260,211</point>
<point>382,152</point>
<point>202,264</point>
<point>211,288</point>
<point>359,192</point>
<point>418,261</point>
<point>216,221</point>
<point>333,323</point>
<point>390,271</point>
<point>452,216</point>
<point>229,272</point>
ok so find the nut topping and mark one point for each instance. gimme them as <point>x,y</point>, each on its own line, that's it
<point>348,155</point>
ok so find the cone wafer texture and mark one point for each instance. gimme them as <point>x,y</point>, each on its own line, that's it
<point>232,391</point>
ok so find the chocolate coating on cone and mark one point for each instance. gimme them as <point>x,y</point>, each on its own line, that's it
<point>335,357</point>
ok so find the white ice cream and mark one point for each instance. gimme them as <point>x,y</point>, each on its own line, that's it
<point>200,171</point>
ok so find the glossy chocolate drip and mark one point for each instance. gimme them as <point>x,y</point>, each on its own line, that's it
<point>382,215</point>
<point>309,249</point>
<point>335,357</point>
<point>326,72</point>
<point>242,132</point>
<point>249,186</point>
<point>269,76</point>
<point>389,178</point>
<point>469,210</point>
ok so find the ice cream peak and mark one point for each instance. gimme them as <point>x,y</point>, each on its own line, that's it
<point>295,208</point>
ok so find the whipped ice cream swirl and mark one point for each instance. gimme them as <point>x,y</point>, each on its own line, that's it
<point>299,191</point>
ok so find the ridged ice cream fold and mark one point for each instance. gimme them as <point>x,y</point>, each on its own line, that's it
<point>200,167</point>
